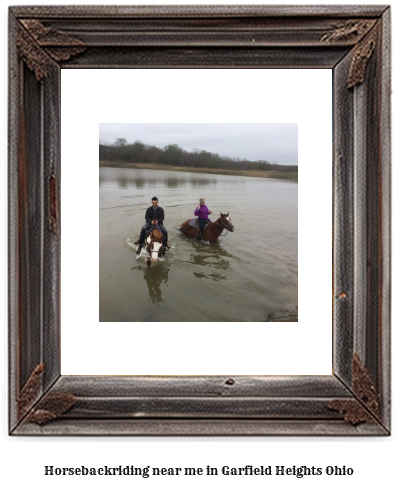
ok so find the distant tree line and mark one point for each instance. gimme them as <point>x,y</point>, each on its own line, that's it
<point>172,154</point>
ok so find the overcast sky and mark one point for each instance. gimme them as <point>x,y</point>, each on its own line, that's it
<point>253,141</point>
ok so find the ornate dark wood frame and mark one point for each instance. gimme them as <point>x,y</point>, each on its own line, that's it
<point>353,41</point>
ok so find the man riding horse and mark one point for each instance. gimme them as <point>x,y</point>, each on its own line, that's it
<point>154,216</point>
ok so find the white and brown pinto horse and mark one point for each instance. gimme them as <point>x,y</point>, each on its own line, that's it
<point>212,231</point>
<point>154,245</point>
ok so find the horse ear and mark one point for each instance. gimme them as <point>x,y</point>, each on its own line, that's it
<point>227,214</point>
<point>221,214</point>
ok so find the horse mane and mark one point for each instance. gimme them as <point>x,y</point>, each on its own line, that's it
<point>156,235</point>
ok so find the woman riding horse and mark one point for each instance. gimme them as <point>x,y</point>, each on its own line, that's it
<point>202,213</point>
<point>213,231</point>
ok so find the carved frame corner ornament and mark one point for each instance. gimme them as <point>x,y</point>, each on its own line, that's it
<point>365,407</point>
<point>361,56</point>
<point>351,41</point>
<point>51,407</point>
<point>41,410</point>
<point>349,31</point>
<point>364,33</point>
<point>30,391</point>
<point>38,45</point>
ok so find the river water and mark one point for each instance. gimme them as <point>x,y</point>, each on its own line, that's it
<point>246,276</point>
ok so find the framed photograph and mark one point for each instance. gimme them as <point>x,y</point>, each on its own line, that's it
<point>184,274</point>
<point>353,44</point>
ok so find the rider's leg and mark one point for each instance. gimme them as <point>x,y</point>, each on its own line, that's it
<point>146,226</point>
<point>201,223</point>
<point>165,233</point>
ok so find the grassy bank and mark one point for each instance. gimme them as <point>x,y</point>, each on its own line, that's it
<point>291,176</point>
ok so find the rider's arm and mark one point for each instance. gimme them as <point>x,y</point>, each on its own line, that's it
<point>196,211</point>
<point>148,218</point>
<point>160,216</point>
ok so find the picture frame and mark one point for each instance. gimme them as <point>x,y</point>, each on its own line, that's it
<point>352,41</point>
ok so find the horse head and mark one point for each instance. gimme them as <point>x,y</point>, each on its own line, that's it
<point>226,222</point>
<point>154,246</point>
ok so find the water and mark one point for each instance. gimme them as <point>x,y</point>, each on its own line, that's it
<point>247,275</point>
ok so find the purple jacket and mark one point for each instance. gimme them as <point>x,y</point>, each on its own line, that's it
<point>201,211</point>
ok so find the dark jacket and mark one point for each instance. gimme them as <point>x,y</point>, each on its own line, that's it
<point>152,214</point>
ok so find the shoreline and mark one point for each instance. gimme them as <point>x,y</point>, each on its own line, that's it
<point>288,176</point>
<point>283,316</point>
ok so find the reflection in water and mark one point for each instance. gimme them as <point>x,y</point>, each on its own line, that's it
<point>210,259</point>
<point>124,180</point>
<point>154,276</point>
<point>200,182</point>
<point>172,182</point>
<point>139,183</point>
<point>211,276</point>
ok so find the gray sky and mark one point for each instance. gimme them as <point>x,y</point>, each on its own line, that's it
<point>253,141</point>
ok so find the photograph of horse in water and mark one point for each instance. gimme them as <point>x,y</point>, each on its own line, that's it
<point>198,222</point>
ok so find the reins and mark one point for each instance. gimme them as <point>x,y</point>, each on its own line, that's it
<point>223,226</point>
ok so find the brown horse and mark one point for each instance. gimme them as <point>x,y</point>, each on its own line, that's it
<point>154,246</point>
<point>213,230</point>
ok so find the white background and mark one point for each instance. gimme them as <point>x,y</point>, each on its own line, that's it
<point>374,460</point>
<point>194,96</point>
